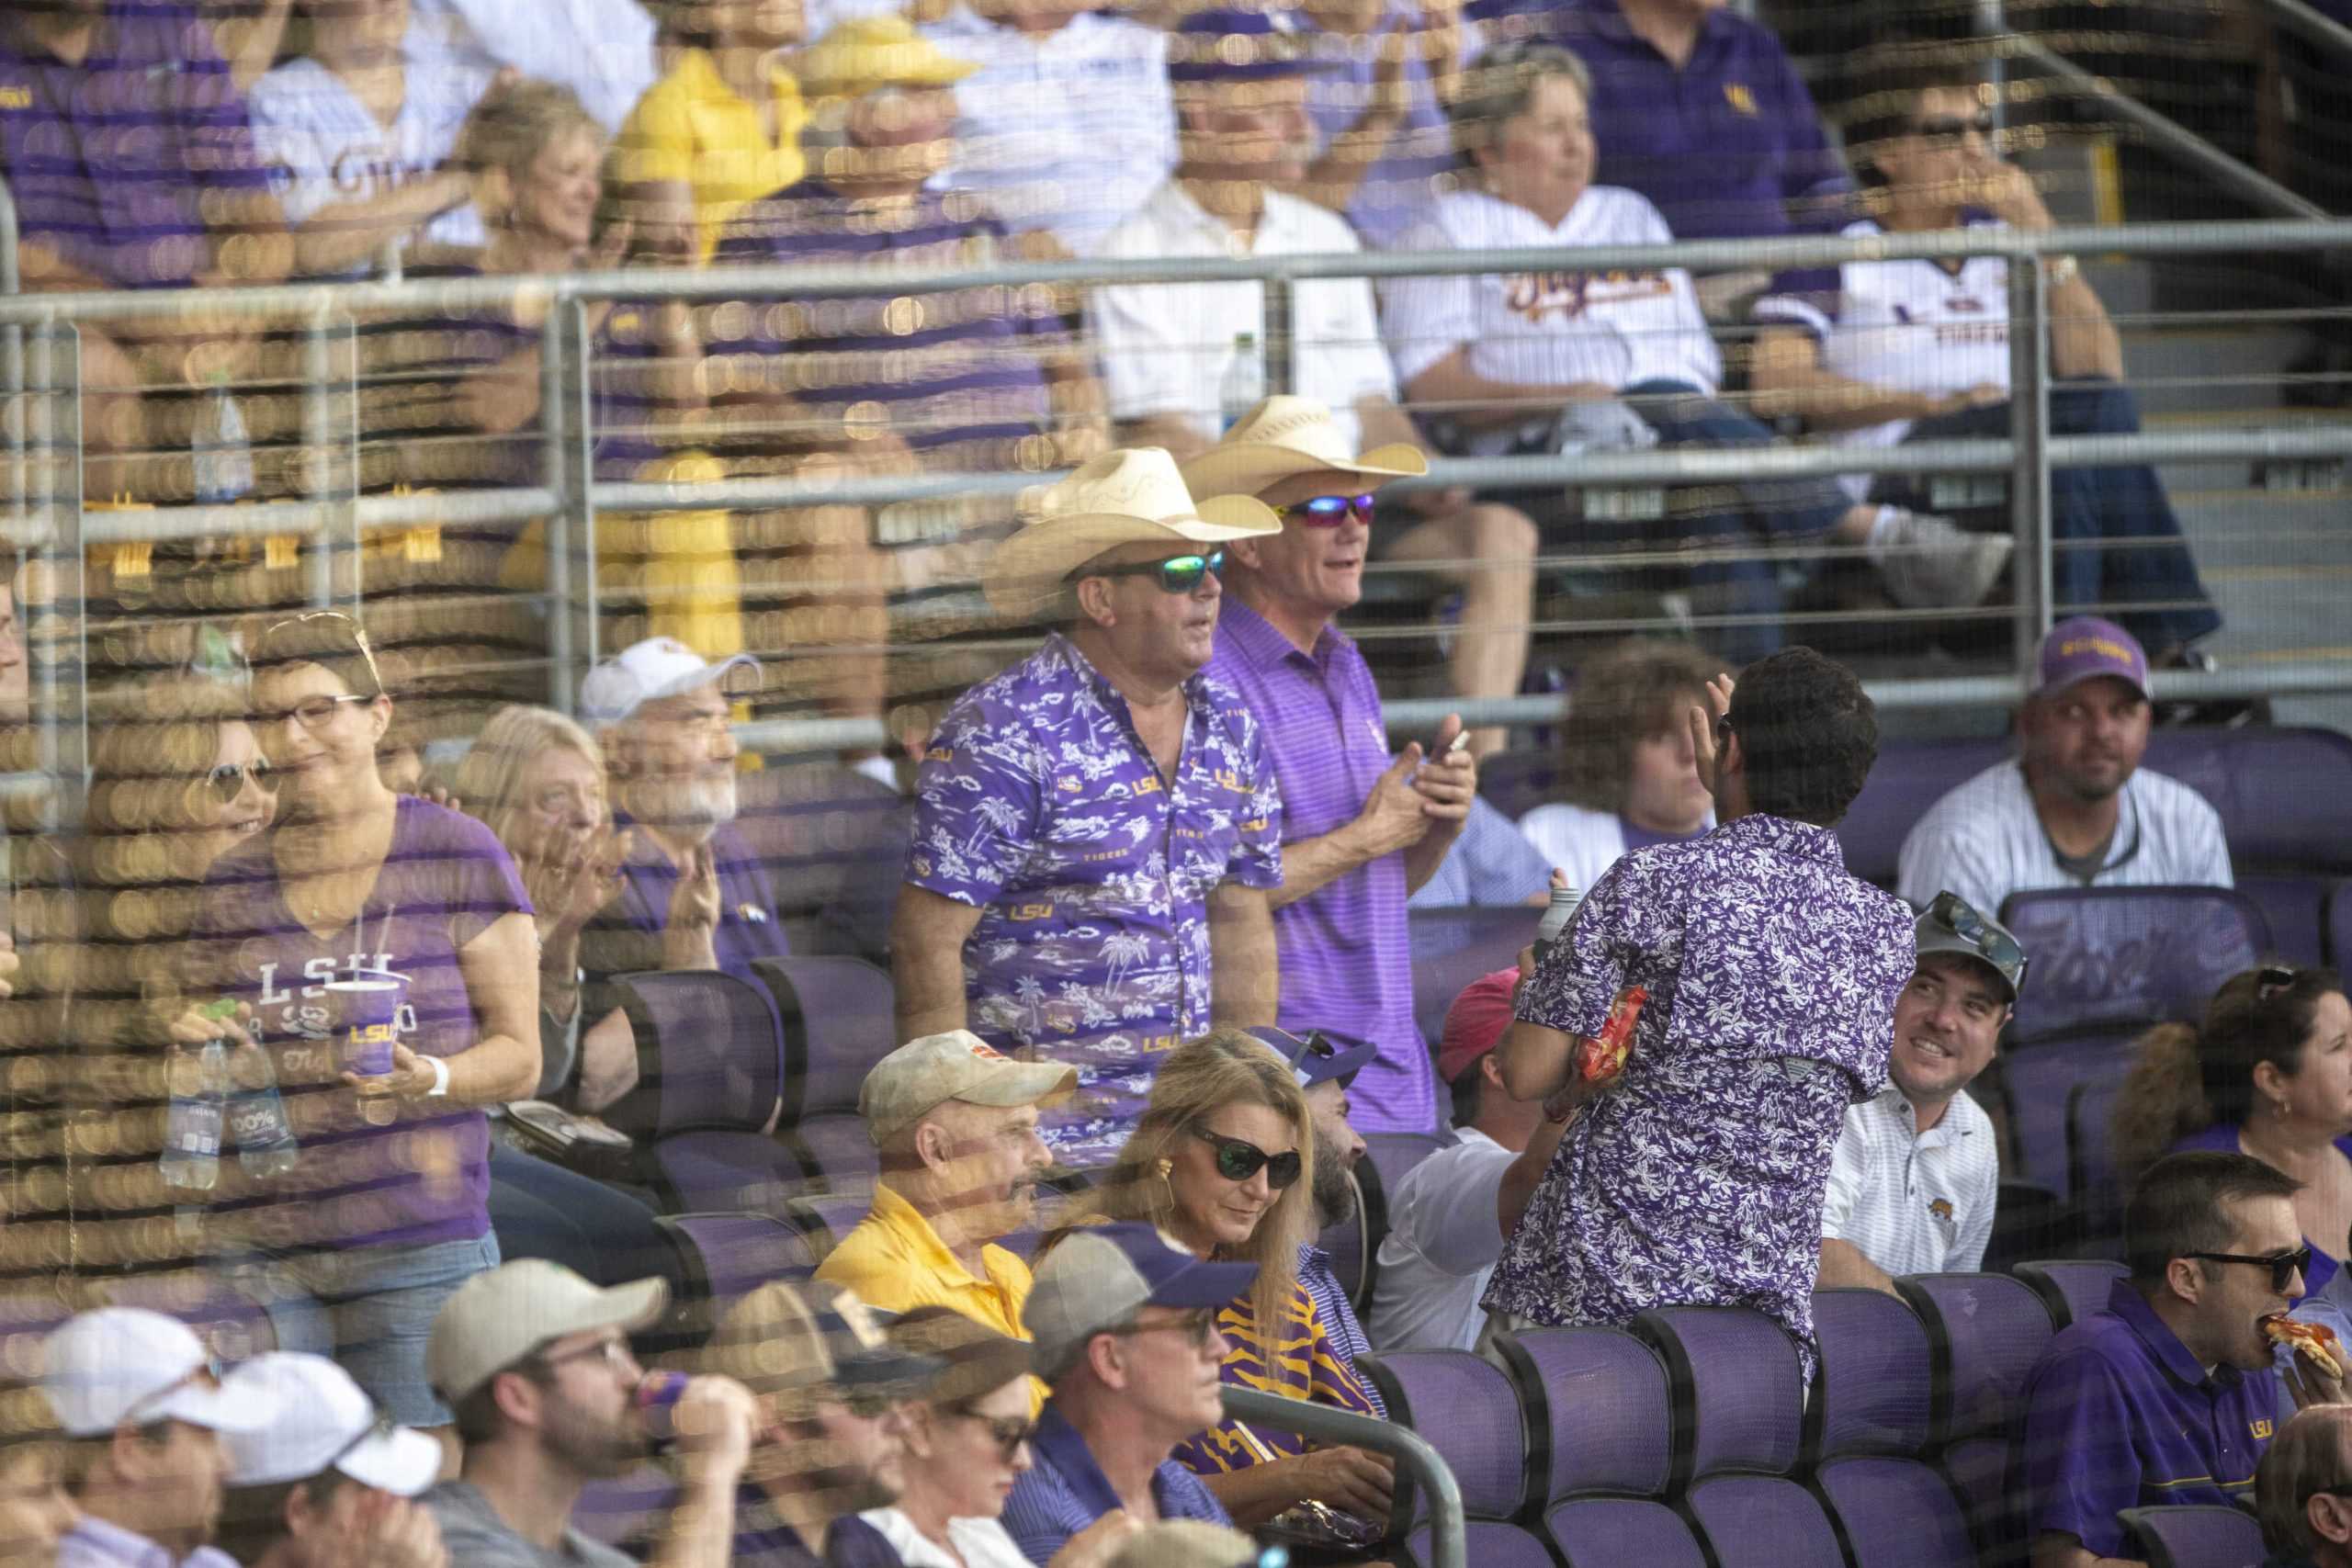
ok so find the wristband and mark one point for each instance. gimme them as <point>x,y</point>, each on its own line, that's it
<point>440,1089</point>
<point>2064,270</point>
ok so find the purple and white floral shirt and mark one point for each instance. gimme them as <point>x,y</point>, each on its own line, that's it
<point>1039,803</point>
<point>1698,1179</point>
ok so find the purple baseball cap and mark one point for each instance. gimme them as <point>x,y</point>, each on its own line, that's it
<point>2086,648</point>
<point>1101,1276</point>
<point>1315,1059</point>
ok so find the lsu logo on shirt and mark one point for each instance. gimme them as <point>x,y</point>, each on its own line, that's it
<point>2259,1431</point>
<point>1068,783</point>
<point>1941,1209</point>
<point>16,97</point>
<point>1741,100</point>
<point>1536,295</point>
<point>1030,912</point>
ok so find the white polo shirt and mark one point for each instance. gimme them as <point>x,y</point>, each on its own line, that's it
<point>1443,1238</point>
<point>1165,345</point>
<point>1550,329</point>
<point>1983,841</point>
<point>602,49</point>
<point>1068,131</point>
<point>1914,1202</point>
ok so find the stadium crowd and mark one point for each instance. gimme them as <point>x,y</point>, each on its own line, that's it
<point>347,1000</point>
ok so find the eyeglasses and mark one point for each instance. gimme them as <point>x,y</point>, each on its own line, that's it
<point>1330,511</point>
<point>1952,126</point>
<point>1238,1161</point>
<point>614,1352</point>
<point>228,779</point>
<point>1995,945</point>
<point>2283,1266</point>
<point>1197,1327</point>
<point>334,621</point>
<point>2273,978</point>
<point>1009,1432</point>
<point>312,712</point>
<point>1178,574</point>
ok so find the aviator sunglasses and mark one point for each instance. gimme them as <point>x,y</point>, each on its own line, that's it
<point>1238,1161</point>
<point>1330,511</point>
<point>228,779</point>
<point>1177,574</point>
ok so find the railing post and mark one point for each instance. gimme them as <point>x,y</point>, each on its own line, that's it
<point>335,501</point>
<point>1280,312</point>
<point>567,428</point>
<point>2030,470</point>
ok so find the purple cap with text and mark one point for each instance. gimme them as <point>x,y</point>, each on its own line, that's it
<point>2085,648</point>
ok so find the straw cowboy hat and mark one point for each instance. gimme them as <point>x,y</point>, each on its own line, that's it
<point>869,53</point>
<point>1286,438</point>
<point>1132,495</point>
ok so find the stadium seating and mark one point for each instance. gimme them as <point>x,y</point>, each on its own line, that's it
<point>2090,1168</point>
<point>709,1072</point>
<point>836,1016</point>
<point>2205,1536</point>
<point>1904,782</point>
<point>1985,1333</point>
<point>1452,947</point>
<point>1464,1406</point>
<point>1393,1154</point>
<point>724,1257</point>
<point>825,1217</point>
<point>627,1510</point>
<point>2339,929</point>
<point>2072,1288</point>
<point>1867,1432</point>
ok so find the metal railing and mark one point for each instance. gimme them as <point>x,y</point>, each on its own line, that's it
<point>50,520</point>
<point>1345,1428</point>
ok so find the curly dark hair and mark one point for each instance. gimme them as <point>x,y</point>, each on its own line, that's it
<point>1808,732</point>
<point>1636,691</point>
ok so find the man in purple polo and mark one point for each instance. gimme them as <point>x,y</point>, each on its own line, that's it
<point>1697,1177</point>
<point>2168,1395</point>
<point>1097,829</point>
<point>1361,830</point>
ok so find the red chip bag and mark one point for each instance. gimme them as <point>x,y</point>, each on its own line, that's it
<point>1603,1057</point>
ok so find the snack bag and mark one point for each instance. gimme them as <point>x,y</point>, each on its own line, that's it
<point>1601,1058</point>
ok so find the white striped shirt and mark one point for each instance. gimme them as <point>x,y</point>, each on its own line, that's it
<point>602,49</point>
<point>1984,840</point>
<point>1914,1203</point>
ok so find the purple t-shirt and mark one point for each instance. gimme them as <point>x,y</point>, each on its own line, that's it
<point>1347,963</point>
<point>445,880</point>
<point>625,935</point>
<point>1641,837</point>
<point>112,161</point>
<point>1698,1178</point>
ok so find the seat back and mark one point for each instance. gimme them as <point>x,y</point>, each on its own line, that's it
<point>837,1024</point>
<point>2279,792</point>
<point>1985,1333</point>
<point>1452,947</point>
<point>1394,1154</point>
<point>2037,1083</point>
<point>2295,908</point>
<point>1904,782</point>
<point>710,1053</point>
<point>824,1218</point>
<point>723,1258</point>
<point>1466,1408</point>
<point>1873,1385</point>
<point>1597,1411</point>
<point>1610,1532</point>
<point>2109,959</point>
<point>1732,1377</point>
<point>2338,926</point>
<point>2195,1535</point>
<point>2072,1288</point>
<point>1896,1513</point>
<point>709,1171</point>
<point>2091,1175</point>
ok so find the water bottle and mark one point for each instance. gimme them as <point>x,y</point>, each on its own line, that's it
<point>200,1082</point>
<point>223,454</point>
<point>1243,387</point>
<point>1556,916</point>
<point>265,1142</point>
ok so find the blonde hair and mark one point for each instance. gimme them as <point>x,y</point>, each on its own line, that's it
<point>490,779</point>
<point>513,125</point>
<point>1199,1078</point>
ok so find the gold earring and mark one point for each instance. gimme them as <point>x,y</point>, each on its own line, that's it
<point>1163,1166</point>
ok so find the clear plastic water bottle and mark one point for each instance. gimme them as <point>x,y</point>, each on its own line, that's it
<point>200,1085</point>
<point>222,451</point>
<point>1243,387</point>
<point>265,1142</point>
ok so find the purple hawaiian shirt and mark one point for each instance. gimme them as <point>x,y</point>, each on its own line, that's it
<point>1039,803</point>
<point>1698,1178</point>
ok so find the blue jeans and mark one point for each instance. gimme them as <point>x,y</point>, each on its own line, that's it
<point>541,1210</point>
<point>2090,508</point>
<point>370,1308</point>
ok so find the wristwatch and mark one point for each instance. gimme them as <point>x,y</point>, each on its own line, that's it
<point>440,1090</point>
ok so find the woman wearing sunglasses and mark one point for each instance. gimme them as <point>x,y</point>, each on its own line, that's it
<point>1223,1161</point>
<point>2268,1074</point>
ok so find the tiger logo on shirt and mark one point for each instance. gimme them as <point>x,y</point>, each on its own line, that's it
<point>1535,295</point>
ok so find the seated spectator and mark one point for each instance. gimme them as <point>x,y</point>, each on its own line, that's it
<point>2302,1490</point>
<point>956,1125</point>
<point>2074,809</point>
<point>361,144</point>
<point>1127,1335</point>
<point>1223,1164</point>
<point>833,1405</point>
<point>144,1417</point>
<point>1324,1071</point>
<point>1917,1171</point>
<point>35,1512</point>
<point>1873,352</point>
<point>1066,126</point>
<point>602,51</point>
<point>1567,361</point>
<point>1013,919</point>
<point>2167,1396</point>
<point>2268,1074</point>
<point>1241,109</point>
<point>536,1362</point>
<point>1444,1218</point>
<point>1626,777</point>
<point>1704,112</point>
<point>967,1445</point>
<point>721,128</point>
<point>1492,864</point>
<point>325,1486</point>
<point>1377,107</point>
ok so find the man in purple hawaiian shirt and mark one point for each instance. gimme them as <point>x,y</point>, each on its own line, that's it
<point>1097,829</point>
<point>1696,1176</point>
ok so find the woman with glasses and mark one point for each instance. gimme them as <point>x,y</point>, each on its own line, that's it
<point>2268,1073</point>
<point>365,913</point>
<point>1223,1161</point>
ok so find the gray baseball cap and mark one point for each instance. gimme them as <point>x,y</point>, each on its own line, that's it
<point>1952,924</point>
<point>957,1064</point>
<point>1101,1277</point>
<point>498,1318</point>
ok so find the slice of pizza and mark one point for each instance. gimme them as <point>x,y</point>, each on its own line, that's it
<point>2315,1340</point>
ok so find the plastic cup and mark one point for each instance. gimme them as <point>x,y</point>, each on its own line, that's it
<point>365,1008</point>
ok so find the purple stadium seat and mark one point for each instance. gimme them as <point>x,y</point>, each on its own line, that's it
<point>1354,1242</point>
<point>826,1218</point>
<point>628,1509</point>
<point>711,1068</point>
<point>2036,1083</point>
<point>2296,908</point>
<point>1904,782</point>
<point>2029,1221</point>
<point>2339,928</point>
<point>2202,1536</point>
<point>1596,1410</point>
<point>1985,1333</point>
<point>2090,1166</point>
<point>1607,1532</point>
<point>1465,1407</point>
<point>709,1170</point>
<point>2072,1288</point>
<point>1452,947</point>
<point>723,1258</point>
<point>837,1023</point>
<point>1393,1153</point>
<point>2279,792</point>
<point>1517,782</point>
<point>1867,1426</point>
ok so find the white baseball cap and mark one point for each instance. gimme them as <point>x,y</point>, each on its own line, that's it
<point>324,1422</point>
<point>103,1369</point>
<point>645,672</point>
<point>501,1315</point>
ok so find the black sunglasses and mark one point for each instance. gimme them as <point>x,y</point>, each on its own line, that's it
<point>1178,574</point>
<point>1238,1161</point>
<point>1009,1432</point>
<point>1198,1327</point>
<point>1996,946</point>
<point>1952,126</point>
<point>228,779</point>
<point>1330,511</point>
<point>2283,1266</point>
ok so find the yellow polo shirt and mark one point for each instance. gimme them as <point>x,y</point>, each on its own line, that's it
<point>692,126</point>
<point>896,1262</point>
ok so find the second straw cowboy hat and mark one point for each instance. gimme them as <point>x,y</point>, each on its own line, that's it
<point>1288,438</point>
<point>873,52</point>
<point>1132,495</point>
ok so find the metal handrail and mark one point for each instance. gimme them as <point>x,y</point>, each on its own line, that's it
<point>2319,29</point>
<point>1447,1545</point>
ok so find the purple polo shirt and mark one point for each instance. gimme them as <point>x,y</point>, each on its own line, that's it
<point>1040,806</point>
<point>112,161</point>
<point>2119,1414</point>
<point>625,936</point>
<point>1722,146</point>
<point>1346,963</point>
<point>445,880</point>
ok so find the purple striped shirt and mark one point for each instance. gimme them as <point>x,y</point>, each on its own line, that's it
<point>1347,965</point>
